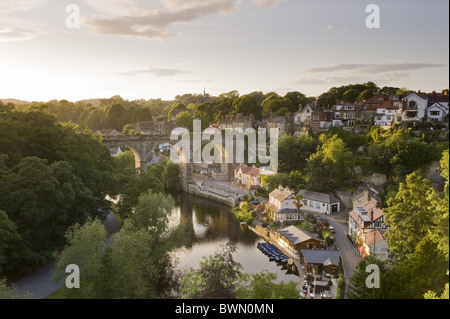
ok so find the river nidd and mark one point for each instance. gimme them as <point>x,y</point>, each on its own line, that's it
<point>207,225</point>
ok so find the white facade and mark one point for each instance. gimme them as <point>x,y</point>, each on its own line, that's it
<point>415,108</point>
<point>437,111</point>
<point>385,117</point>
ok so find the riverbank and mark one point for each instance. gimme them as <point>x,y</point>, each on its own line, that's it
<point>213,193</point>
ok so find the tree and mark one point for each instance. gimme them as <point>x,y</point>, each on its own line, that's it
<point>358,281</point>
<point>11,292</point>
<point>115,117</point>
<point>409,216</point>
<point>171,178</point>
<point>185,119</point>
<point>8,239</point>
<point>263,286</point>
<point>86,246</point>
<point>298,202</point>
<point>217,277</point>
<point>138,185</point>
<point>247,105</point>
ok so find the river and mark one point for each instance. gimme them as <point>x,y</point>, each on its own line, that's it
<point>208,225</point>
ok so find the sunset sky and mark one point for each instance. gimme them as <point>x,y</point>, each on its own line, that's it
<point>163,48</point>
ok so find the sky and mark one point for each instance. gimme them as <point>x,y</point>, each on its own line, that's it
<point>150,49</point>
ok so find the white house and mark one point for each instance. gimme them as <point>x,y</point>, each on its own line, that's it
<point>314,202</point>
<point>387,112</point>
<point>437,111</point>
<point>415,106</point>
<point>281,206</point>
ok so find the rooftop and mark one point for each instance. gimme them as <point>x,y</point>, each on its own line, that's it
<point>318,197</point>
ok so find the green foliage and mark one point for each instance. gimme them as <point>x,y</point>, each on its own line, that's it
<point>243,213</point>
<point>216,278</point>
<point>409,216</point>
<point>138,184</point>
<point>263,286</point>
<point>11,292</point>
<point>293,152</point>
<point>330,166</point>
<point>136,264</point>
<point>171,178</point>
<point>357,283</point>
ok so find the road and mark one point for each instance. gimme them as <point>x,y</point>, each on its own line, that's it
<point>349,256</point>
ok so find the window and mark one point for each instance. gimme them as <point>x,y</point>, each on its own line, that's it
<point>305,202</point>
<point>412,104</point>
<point>311,203</point>
<point>316,118</point>
<point>315,124</point>
<point>345,116</point>
<point>435,113</point>
<point>351,115</point>
<point>317,205</point>
<point>337,115</point>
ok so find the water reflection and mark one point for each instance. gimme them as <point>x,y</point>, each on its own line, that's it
<point>206,225</point>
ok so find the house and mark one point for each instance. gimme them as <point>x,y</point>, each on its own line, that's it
<point>437,111</point>
<point>363,219</point>
<point>115,151</point>
<point>321,120</point>
<point>250,176</point>
<point>346,114</point>
<point>106,132</point>
<point>302,118</point>
<point>321,261</point>
<point>386,114</point>
<point>415,105</point>
<point>367,194</point>
<point>281,206</point>
<point>155,128</point>
<point>296,239</point>
<point>374,243</point>
<point>314,202</point>
<point>284,124</point>
<point>238,121</point>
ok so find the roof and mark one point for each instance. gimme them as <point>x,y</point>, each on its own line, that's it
<point>155,127</point>
<point>281,195</point>
<point>372,212</point>
<point>248,170</point>
<point>297,235</point>
<point>318,197</point>
<point>286,211</point>
<point>374,236</point>
<point>322,257</point>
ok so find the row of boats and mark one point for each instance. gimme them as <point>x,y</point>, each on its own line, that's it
<point>273,253</point>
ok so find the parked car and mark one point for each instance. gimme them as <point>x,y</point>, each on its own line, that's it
<point>331,229</point>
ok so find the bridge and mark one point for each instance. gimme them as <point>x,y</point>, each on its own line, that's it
<point>143,147</point>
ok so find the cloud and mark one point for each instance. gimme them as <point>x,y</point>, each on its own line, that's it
<point>150,23</point>
<point>11,6</point>
<point>359,73</point>
<point>349,78</point>
<point>134,18</point>
<point>329,28</point>
<point>155,71</point>
<point>372,68</point>
<point>266,3</point>
<point>16,34</point>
